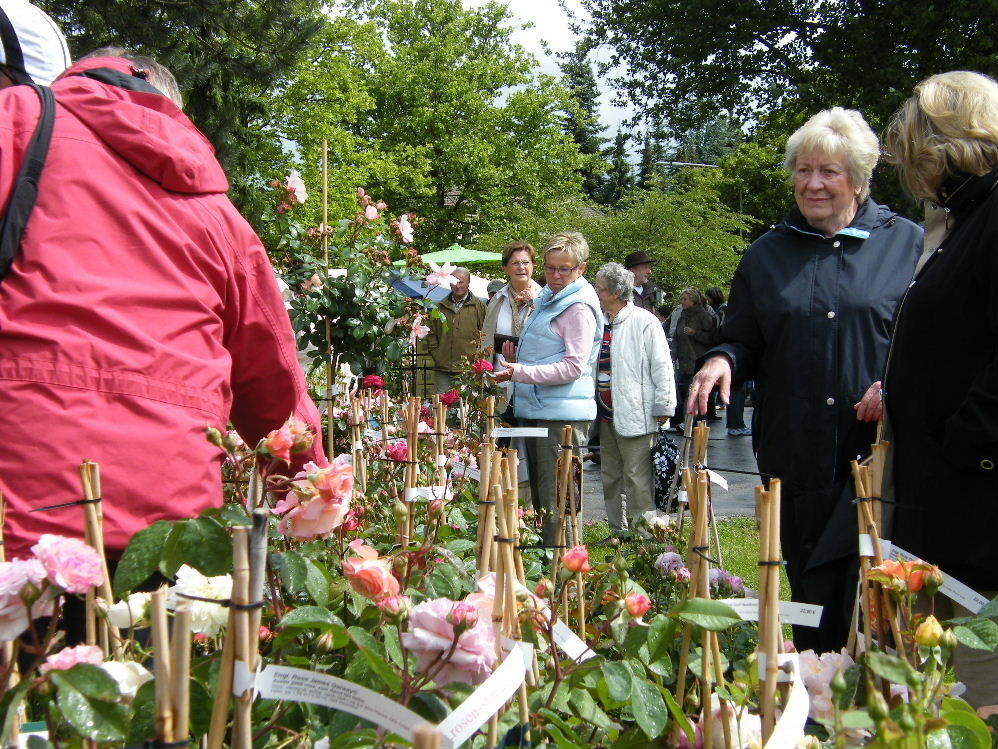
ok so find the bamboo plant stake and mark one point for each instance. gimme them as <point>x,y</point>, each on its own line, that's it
<point>7,647</point>
<point>93,515</point>
<point>426,736</point>
<point>257,578</point>
<point>769,552</point>
<point>691,560</point>
<point>223,690</point>
<point>440,427</point>
<point>513,456</point>
<point>865,592</point>
<point>330,421</point>
<point>490,418</point>
<point>242,735</point>
<point>162,666</point>
<point>563,468</point>
<point>180,670</point>
<point>485,507</point>
<point>411,466</point>
<point>357,445</point>
<point>701,541</point>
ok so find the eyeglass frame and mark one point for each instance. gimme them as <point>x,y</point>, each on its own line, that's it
<point>561,271</point>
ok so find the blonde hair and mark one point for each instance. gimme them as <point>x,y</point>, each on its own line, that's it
<point>838,132</point>
<point>571,242</point>
<point>948,126</point>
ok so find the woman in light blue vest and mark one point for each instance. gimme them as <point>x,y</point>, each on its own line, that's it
<point>553,370</point>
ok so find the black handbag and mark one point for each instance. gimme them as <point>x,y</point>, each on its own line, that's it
<point>664,459</point>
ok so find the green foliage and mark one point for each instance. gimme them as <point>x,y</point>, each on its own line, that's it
<point>434,108</point>
<point>88,699</point>
<point>226,56</point>
<point>582,120</point>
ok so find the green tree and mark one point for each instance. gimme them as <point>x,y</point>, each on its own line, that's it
<point>650,167</point>
<point>620,178</point>
<point>227,56</point>
<point>690,60</point>
<point>435,109</point>
<point>582,121</point>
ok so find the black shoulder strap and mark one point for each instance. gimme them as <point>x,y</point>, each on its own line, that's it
<point>25,193</point>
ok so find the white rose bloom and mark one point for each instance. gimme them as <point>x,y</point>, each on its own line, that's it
<point>206,618</point>
<point>133,612</point>
<point>128,675</point>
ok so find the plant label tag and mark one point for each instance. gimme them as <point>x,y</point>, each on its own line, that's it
<point>801,614</point>
<point>789,729</point>
<point>716,478</point>
<point>519,432</point>
<point>299,685</point>
<point>570,643</point>
<point>374,434</point>
<point>491,694</point>
<point>441,460</point>
<point>781,675</point>
<point>460,469</point>
<point>866,547</point>
<point>427,492</point>
<point>951,587</point>
<point>358,446</point>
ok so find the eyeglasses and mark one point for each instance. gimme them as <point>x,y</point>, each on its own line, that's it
<point>521,263</point>
<point>560,271</point>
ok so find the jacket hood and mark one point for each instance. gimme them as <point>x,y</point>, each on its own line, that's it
<point>145,129</point>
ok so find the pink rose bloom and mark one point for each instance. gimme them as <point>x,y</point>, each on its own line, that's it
<point>319,499</point>
<point>368,575</point>
<point>449,398</point>
<point>15,578</point>
<point>637,604</point>
<point>683,574</point>
<point>394,607</point>
<point>398,451</point>
<point>373,381</point>
<point>293,437</point>
<point>360,192</point>
<point>405,228</point>
<point>441,275</point>
<point>482,365</point>
<point>576,559</point>
<point>296,186</point>
<point>418,330</point>
<point>431,635</point>
<point>464,616</point>
<point>69,562</point>
<point>69,657</point>
<point>371,213</point>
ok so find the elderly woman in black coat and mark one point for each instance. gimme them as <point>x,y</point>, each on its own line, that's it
<point>941,384</point>
<point>808,318</point>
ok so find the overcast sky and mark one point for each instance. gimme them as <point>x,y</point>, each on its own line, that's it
<point>550,27</point>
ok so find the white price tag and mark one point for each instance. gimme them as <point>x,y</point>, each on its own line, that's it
<point>570,643</point>
<point>485,701</point>
<point>801,614</point>
<point>716,478</point>
<point>951,587</point>
<point>519,432</point>
<point>866,547</point>
<point>427,492</point>
<point>299,685</point>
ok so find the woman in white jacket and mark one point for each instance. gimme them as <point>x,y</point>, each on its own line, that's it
<point>635,392</point>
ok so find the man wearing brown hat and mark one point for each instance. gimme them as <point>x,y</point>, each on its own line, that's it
<point>646,292</point>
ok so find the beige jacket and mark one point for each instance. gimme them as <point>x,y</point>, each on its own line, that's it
<point>450,348</point>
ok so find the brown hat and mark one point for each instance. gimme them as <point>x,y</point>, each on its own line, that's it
<point>637,258</point>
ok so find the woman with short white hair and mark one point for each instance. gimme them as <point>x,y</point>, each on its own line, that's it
<point>635,392</point>
<point>809,318</point>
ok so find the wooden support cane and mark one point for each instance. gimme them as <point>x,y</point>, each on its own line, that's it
<point>162,666</point>
<point>865,592</point>
<point>769,623</point>
<point>94,535</point>
<point>180,670</point>
<point>242,726</point>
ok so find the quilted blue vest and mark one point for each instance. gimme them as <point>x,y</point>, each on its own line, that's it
<point>539,344</point>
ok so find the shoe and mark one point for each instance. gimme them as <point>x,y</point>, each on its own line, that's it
<point>712,419</point>
<point>740,432</point>
<point>678,430</point>
<point>592,458</point>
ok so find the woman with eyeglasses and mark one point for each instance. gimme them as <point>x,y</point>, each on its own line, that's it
<point>512,305</point>
<point>552,367</point>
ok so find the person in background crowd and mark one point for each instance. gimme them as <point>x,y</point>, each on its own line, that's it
<point>139,309</point>
<point>809,318</point>
<point>552,373</point>
<point>736,404</point>
<point>512,305</point>
<point>635,392</point>
<point>695,333</point>
<point>941,383</point>
<point>646,292</point>
<point>451,347</point>
<point>32,48</point>
<point>494,287</point>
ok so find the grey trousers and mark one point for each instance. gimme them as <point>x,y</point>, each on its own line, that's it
<point>626,469</point>
<point>542,458</point>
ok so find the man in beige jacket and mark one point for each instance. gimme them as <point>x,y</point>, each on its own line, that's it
<point>464,314</point>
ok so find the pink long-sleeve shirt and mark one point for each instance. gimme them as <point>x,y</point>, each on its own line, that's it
<point>577,326</point>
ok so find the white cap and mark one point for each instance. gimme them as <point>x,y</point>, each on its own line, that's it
<point>31,44</point>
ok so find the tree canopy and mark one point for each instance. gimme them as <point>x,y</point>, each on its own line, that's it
<point>691,59</point>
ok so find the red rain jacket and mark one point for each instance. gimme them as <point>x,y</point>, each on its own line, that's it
<point>141,309</point>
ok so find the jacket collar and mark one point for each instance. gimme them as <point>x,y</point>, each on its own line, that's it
<point>962,194</point>
<point>868,217</point>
